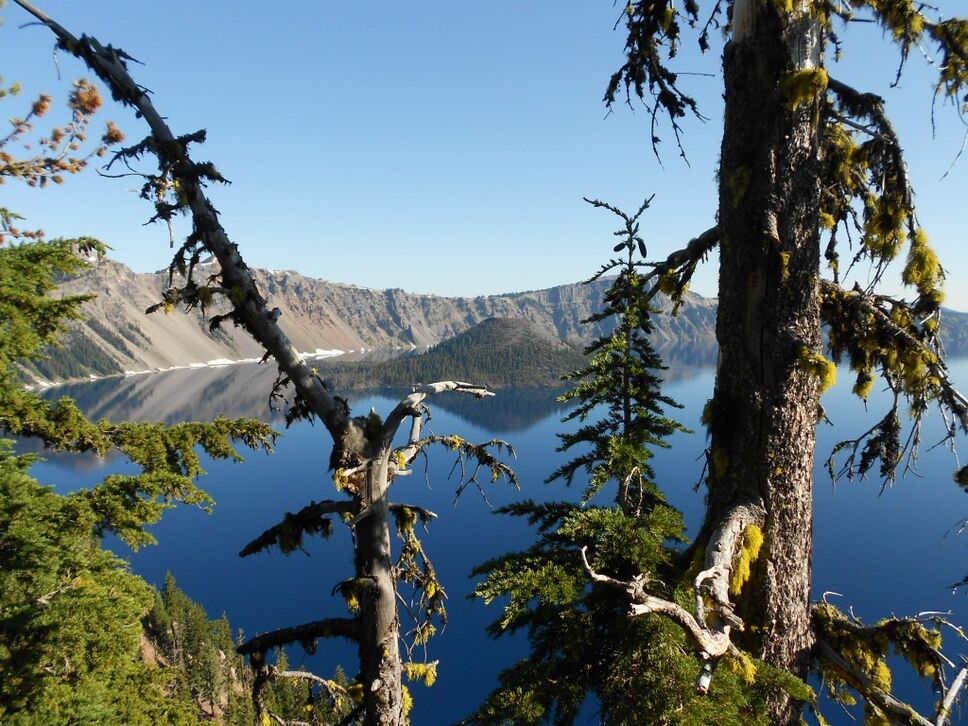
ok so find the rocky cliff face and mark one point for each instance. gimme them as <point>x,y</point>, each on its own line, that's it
<point>320,316</point>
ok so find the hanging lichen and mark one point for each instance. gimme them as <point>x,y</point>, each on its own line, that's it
<point>819,367</point>
<point>426,672</point>
<point>803,86</point>
<point>749,551</point>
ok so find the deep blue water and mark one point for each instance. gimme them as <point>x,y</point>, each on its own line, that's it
<point>886,552</point>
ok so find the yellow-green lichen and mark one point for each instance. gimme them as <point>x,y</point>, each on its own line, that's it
<point>804,86</point>
<point>785,264</point>
<point>922,270</point>
<point>720,463</point>
<point>749,551</point>
<point>340,479</point>
<point>864,384</point>
<point>816,365</point>
<point>668,284</point>
<point>352,592</point>
<point>742,665</point>
<point>426,672</point>
<point>406,517</point>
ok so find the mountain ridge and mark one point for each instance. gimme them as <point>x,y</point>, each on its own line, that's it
<point>320,318</point>
<point>324,318</point>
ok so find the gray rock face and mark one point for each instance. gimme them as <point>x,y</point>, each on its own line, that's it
<point>321,315</point>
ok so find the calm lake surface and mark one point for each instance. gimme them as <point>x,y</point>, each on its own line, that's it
<point>895,552</point>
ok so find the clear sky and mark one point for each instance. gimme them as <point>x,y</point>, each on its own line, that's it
<point>437,147</point>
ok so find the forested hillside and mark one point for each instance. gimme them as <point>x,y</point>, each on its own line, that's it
<point>498,353</point>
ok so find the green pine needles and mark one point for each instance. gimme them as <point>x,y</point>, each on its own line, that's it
<point>621,378</point>
<point>72,647</point>
<point>584,646</point>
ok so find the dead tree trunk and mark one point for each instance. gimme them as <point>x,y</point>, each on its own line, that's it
<point>379,652</point>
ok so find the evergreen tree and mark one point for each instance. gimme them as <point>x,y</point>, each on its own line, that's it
<point>70,618</point>
<point>582,641</point>
<point>621,377</point>
<point>811,170</point>
<point>365,459</point>
<point>70,612</point>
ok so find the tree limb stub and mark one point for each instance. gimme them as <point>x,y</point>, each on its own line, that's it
<point>724,544</point>
<point>944,710</point>
<point>696,249</point>
<point>710,644</point>
<point>109,65</point>
<point>328,628</point>
<point>410,406</point>
<point>709,631</point>
<point>425,515</point>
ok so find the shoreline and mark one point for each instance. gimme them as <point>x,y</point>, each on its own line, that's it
<point>39,385</point>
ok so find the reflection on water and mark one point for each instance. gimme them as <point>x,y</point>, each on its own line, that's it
<point>687,360</point>
<point>201,394</point>
<point>886,554</point>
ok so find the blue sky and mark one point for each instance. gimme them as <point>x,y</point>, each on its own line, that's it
<point>437,147</point>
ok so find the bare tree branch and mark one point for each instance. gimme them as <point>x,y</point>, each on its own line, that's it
<point>310,518</point>
<point>334,689</point>
<point>327,628</point>
<point>110,66</point>
<point>710,645</point>
<point>944,709</point>
<point>710,632</point>
<point>410,406</point>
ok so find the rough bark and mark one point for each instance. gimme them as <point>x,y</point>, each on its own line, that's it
<point>765,405</point>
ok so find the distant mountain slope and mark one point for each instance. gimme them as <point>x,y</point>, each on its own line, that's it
<point>322,316</point>
<point>496,352</point>
<point>318,315</point>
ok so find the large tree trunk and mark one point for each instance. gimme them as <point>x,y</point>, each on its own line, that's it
<point>765,404</point>
<point>379,649</point>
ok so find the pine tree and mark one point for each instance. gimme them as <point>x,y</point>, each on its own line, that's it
<point>364,459</point>
<point>70,618</point>
<point>806,161</point>
<point>70,612</point>
<point>582,641</point>
<point>622,376</point>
